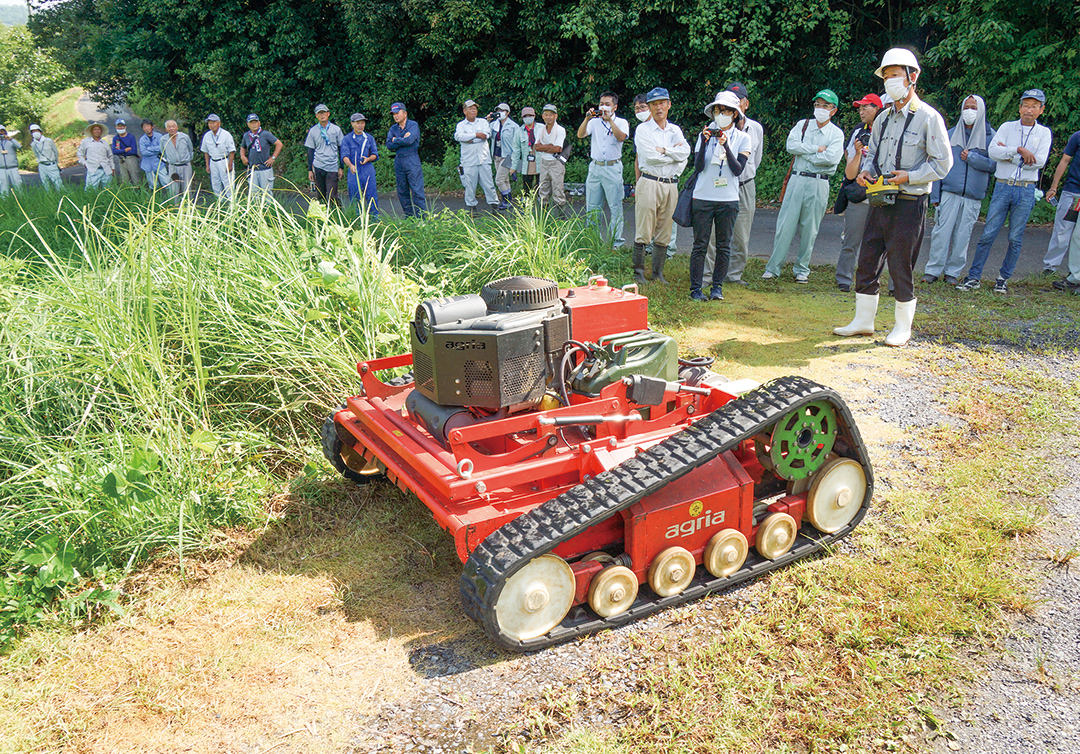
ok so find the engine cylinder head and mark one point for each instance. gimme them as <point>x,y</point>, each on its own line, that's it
<point>520,294</point>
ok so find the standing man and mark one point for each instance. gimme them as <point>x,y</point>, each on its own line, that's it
<point>403,141</point>
<point>220,150</point>
<point>817,145</point>
<point>503,143</point>
<point>150,156</point>
<point>48,158</point>
<point>604,184</point>
<point>1070,192</point>
<point>856,212</point>
<point>642,114</point>
<point>9,163</point>
<point>359,152</point>
<point>472,134</point>
<point>176,153</point>
<point>96,155</point>
<point>525,152</point>
<point>550,143</point>
<point>911,145</point>
<point>126,148</point>
<point>959,197</point>
<point>662,151</point>
<point>740,241</point>
<point>1020,149</point>
<point>323,145</point>
<point>255,153</point>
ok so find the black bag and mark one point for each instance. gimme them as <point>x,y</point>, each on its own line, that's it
<point>684,207</point>
<point>850,193</point>
<point>1070,216</point>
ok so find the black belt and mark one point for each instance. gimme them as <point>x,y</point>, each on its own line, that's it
<point>46,164</point>
<point>822,176</point>
<point>218,159</point>
<point>658,179</point>
<point>261,167</point>
<point>743,183</point>
<point>179,164</point>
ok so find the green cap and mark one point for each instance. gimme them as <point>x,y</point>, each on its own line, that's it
<point>829,96</point>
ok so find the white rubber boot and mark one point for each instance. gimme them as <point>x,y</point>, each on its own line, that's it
<point>901,332</point>
<point>863,324</point>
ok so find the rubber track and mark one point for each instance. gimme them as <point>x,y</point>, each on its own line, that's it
<point>537,532</point>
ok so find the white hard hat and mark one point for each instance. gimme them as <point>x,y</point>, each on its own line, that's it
<point>897,56</point>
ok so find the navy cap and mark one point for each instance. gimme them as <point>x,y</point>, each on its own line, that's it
<point>252,117</point>
<point>739,89</point>
<point>1034,94</point>
<point>397,107</point>
<point>357,116</point>
<point>657,93</point>
<point>210,117</point>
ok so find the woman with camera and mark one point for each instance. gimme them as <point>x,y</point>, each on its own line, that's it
<point>720,154</point>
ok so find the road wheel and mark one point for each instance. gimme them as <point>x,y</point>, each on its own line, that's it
<point>776,535</point>
<point>836,494</point>
<point>726,552</point>
<point>672,571</point>
<point>536,598</point>
<point>613,591</point>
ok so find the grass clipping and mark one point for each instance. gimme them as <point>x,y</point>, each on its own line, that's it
<point>850,652</point>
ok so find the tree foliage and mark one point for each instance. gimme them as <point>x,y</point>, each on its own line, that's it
<point>281,57</point>
<point>27,76</point>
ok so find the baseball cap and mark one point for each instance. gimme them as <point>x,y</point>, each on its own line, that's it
<point>527,111</point>
<point>397,107</point>
<point>1034,94</point>
<point>503,106</point>
<point>210,117</point>
<point>551,107</point>
<point>34,127</point>
<point>870,99</point>
<point>829,96</point>
<point>357,116</point>
<point>469,103</point>
<point>121,122</point>
<point>657,93</point>
<point>739,88</point>
<point>253,117</point>
<point>321,109</point>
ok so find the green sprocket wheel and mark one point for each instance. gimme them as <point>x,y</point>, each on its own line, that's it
<point>802,440</point>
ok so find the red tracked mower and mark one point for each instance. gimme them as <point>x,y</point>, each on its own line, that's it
<point>588,476</point>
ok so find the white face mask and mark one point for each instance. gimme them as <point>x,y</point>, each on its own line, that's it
<point>643,116</point>
<point>607,109</point>
<point>121,130</point>
<point>723,120</point>
<point>896,88</point>
<point>821,114</point>
<point>36,135</point>
<point>529,119</point>
<point>503,115</point>
<point>969,116</point>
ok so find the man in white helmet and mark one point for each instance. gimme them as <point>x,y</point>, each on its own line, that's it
<point>910,149</point>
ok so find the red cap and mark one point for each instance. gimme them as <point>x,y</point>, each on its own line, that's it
<point>870,99</point>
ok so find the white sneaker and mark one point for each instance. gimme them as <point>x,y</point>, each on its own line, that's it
<point>769,276</point>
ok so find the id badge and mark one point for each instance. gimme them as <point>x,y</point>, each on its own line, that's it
<point>720,182</point>
<point>531,158</point>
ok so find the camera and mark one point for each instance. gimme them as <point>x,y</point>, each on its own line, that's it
<point>493,115</point>
<point>594,111</point>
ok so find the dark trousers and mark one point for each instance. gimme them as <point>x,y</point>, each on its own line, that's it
<point>706,218</point>
<point>410,187</point>
<point>893,234</point>
<point>326,184</point>
<point>530,182</point>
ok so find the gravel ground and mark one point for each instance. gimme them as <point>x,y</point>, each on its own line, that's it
<point>1024,700</point>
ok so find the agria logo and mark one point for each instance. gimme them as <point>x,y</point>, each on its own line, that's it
<point>698,520</point>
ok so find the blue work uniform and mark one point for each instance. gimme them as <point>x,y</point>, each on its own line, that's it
<point>405,145</point>
<point>361,184</point>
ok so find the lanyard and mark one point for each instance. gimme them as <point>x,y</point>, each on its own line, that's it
<point>325,131</point>
<point>1023,143</point>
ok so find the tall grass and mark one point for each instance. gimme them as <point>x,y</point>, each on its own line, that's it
<point>207,341</point>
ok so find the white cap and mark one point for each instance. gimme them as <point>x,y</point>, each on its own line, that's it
<point>897,56</point>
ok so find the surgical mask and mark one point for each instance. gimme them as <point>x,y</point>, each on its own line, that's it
<point>643,116</point>
<point>529,119</point>
<point>896,88</point>
<point>821,114</point>
<point>723,120</point>
<point>121,130</point>
<point>606,109</point>
<point>969,116</point>
<point>503,115</point>
<point>36,135</point>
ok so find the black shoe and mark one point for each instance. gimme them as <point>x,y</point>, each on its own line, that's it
<point>716,295</point>
<point>844,287</point>
<point>698,296</point>
<point>1049,271</point>
<point>950,280</point>
<point>928,279</point>
<point>1067,287</point>
<point>1000,286</point>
